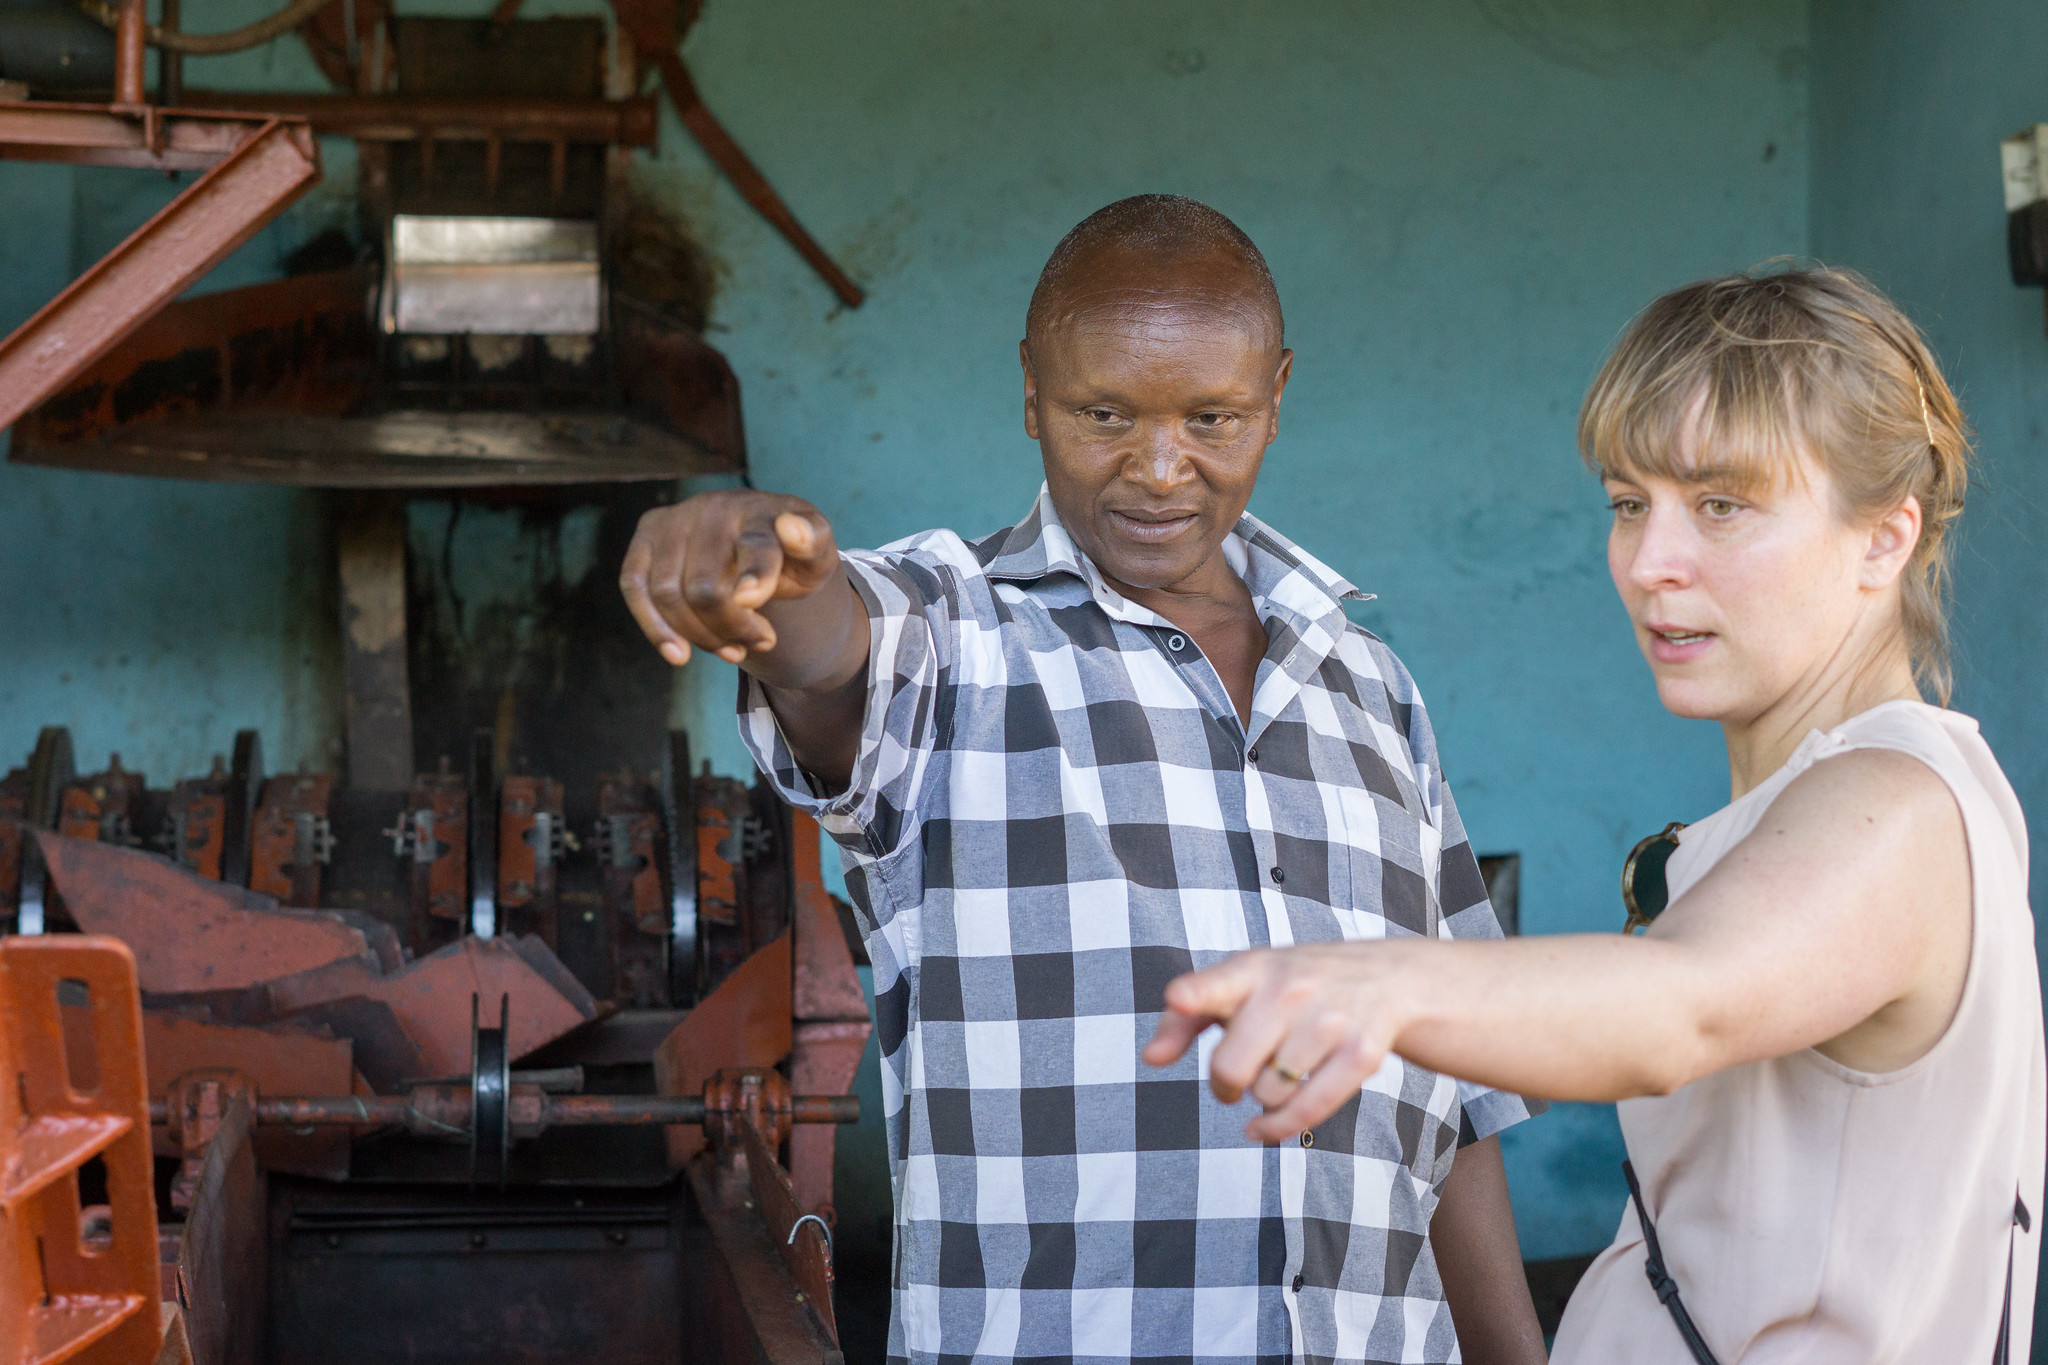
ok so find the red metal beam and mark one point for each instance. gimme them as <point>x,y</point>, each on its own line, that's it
<point>224,208</point>
<point>145,138</point>
<point>450,118</point>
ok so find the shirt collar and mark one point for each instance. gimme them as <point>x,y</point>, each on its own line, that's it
<point>1279,573</point>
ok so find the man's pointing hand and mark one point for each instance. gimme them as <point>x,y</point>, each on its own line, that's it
<point>701,572</point>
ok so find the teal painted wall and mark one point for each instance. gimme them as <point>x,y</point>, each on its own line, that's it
<point>1910,99</point>
<point>1910,102</point>
<point>1463,200</point>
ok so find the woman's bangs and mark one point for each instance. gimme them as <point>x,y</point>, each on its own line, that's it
<point>1727,424</point>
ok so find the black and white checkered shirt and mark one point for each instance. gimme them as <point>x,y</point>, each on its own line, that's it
<point>1055,810</point>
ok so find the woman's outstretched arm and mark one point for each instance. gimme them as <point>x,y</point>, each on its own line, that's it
<point>1844,919</point>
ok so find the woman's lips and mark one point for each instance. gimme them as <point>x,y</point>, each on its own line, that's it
<point>1151,527</point>
<point>1677,645</point>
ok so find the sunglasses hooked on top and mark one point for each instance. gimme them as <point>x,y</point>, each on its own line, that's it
<point>1643,889</point>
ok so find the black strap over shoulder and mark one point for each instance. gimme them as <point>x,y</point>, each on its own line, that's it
<point>1666,1288</point>
<point>1661,1282</point>
<point>2001,1350</point>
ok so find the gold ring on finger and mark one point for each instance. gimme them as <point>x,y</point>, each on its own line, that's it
<point>1286,1072</point>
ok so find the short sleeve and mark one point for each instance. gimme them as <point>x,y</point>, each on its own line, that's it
<point>1466,913</point>
<point>910,604</point>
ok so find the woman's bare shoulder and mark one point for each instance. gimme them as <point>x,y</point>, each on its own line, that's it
<point>1880,788</point>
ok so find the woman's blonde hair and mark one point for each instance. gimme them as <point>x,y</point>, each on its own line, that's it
<point>1762,366</point>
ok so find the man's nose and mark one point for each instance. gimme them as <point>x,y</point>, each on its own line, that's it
<point>1157,459</point>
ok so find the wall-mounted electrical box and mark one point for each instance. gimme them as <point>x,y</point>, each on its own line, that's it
<point>2024,157</point>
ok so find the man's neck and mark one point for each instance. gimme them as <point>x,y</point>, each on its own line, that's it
<point>1214,606</point>
<point>1212,595</point>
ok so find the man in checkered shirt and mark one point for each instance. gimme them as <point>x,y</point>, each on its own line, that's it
<point>1128,736</point>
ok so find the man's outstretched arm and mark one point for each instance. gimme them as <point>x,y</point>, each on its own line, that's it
<point>755,578</point>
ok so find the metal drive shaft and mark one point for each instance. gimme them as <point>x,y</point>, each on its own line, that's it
<point>445,1106</point>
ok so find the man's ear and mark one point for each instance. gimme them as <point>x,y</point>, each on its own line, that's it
<point>1892,542</point>
<point>1280,377</point>
<point>1030,390</point>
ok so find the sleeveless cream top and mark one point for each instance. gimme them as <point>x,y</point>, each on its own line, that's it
<point>1817,1214</point>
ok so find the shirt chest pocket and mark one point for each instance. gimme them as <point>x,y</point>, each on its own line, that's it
<point>1395,862</point>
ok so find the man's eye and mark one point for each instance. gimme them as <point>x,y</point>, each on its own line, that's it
<point>1719,507</point>
<point>1211,419</point>
<point>1102,415</point>
<point>1627,507</point>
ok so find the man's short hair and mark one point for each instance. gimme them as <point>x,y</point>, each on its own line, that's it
<point>1165,227</point>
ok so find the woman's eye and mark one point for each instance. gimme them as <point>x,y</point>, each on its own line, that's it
<point>1719,507</point>
<point>1627,507</point>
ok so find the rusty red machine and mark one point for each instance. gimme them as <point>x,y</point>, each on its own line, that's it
<point>418,1106</point>
<point>479,1069</point>
<point>505,1033</point>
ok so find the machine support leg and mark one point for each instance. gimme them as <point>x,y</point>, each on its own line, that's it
<point>379,707</point>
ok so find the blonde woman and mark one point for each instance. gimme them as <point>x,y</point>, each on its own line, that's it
<point>1828,1048</point>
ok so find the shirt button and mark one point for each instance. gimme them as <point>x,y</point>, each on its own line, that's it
<point>1278,875</point>
<point>1297,1284</point>
<point>1176,643</point>
<point>1251,755</point>
<point>1308,1139</point>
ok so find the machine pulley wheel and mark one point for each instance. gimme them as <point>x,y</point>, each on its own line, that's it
<point>484,795</point>
<point>245,790</point>
<point>679,817</point>
<point>50,771</point>
<point>490,1090</point>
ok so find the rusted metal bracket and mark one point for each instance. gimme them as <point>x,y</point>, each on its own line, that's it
<point>293,838</point>
<point>76,1284</point>
<point>533,838</point>
<point>273,164</point>
<point>748,1118</point>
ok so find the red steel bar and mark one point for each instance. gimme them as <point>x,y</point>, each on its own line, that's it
<point>96,134</point>
<point>588,1110</point>
<point>449,118</point>
<point>223,208</point>
<point>584,1110</point>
